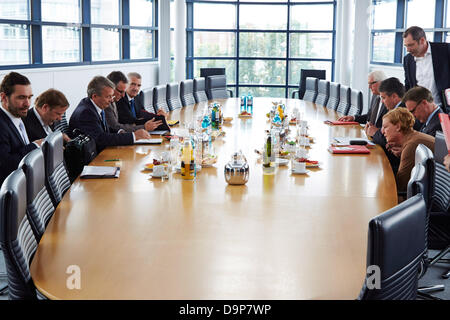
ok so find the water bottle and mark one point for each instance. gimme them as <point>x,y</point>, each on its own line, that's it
<point>250,103</point>
<point>187,161</point>
<point>243,103</point>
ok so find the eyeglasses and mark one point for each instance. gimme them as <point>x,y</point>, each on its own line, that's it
<point>120,91</point>
<point>414,109</point>
<point>372,83</point>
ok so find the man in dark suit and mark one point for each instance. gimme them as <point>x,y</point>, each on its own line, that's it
<point>377,110</point>
<point>427,64</point>
<point>131,107</point>
<point>89,116</point>
<point>15,93</point>
<point>50,107</point>
<point>419,101</point>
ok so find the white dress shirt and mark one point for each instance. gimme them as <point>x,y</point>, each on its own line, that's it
<point>17,122</point>
<point>425,74</point>
<point>46,128</point>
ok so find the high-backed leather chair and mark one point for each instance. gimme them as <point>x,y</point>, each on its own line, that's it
<point>216,87</point>
<point>39,204</point>
<point>344,100</point>
<point>356,103</point>
<point>305,73</point>
<point>173,98</point>
<point>187,92</point>
<point>199,90</point>
<point>62,125</point>
<point>148,100</point>
<point>323,92</point>
<point>160,98</point>
<point>311,89</point>
<point>57,179</point>
<point>335,93</point>
<point>16,236</point>
<point>396,244</point>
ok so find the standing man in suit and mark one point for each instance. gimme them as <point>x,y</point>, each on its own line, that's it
<point>15,94</point>
<point>111,113</point>
<point>427,64</point>
<point>50,106</point>
<point>419,101</point>
<point>377,110</point>
<point>131,107</point>
<point>89,116</point>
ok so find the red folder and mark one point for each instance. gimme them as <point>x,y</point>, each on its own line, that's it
<point>340,123</point>
<point>353,149</point>
<point>445,124</point>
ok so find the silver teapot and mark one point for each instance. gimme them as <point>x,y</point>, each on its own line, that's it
<point>237,170</point>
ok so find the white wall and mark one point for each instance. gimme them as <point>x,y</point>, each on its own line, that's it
<point>73,81</point>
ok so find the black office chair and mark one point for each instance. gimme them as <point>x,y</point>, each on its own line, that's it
<point>311,89</point>
<point>356,103</point>
<point>187,92</point>
<point>323,93</point>
<point>173,97</point>
<point>305,73</point>
<point>57,178</point>
<point>160,98</point>
<point>16,236</point>
<point>199,90</point>
<point>216,87</point>
<point>396,244</point>
<point>335,94</point>
<point>148,100</point>
<point>62,125</point>
<point>208,72</point>
<point>344,100</point>
<point>39,205</point>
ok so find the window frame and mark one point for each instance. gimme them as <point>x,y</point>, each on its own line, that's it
<point>35,24</point>
<point>190,58</point>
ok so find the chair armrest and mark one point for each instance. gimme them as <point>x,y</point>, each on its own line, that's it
<point>295,92</point>
<point>231,92</point>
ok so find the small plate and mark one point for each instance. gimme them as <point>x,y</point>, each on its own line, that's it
<point>282,161</point>
<point>314,165</point>
<point>158,177</point>
<point>244,116</point>
<point>295,172</point>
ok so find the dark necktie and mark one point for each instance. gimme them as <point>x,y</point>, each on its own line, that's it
<point>103,119</point>
<point>133,110</point>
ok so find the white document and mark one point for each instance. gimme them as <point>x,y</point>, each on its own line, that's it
<point>90,172</point>
<point>345,141</point>
<point>149,141</point>
<point>158,132</point>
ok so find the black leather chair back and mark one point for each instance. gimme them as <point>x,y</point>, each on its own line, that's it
<point>424,157</point>
<point>160,98</point>
<point>16,236</point>
<point>148,100</point>
<point>344,100</point>
<point>311,89</point>
<point>57,178</point>
<point>323,92</point>
<point>216,87</point>
<point>441,199</point>
<point>199,90</point>
<point>173,97</point>
<point>39,205</point>
<point>335,93</point>
<point>356,103</point>
<point>305,73</point>
<point>396,244</point>
<point>62,125</point>
<point>187,92</point>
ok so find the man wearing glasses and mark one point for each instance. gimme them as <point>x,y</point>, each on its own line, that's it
<point>419,101</point>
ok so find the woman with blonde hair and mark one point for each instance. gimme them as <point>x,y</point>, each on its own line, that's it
<point>403,140</point>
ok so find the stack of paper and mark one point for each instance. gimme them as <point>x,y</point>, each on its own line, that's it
<point>345,141</point>
<point>149,141</point>
<point>92,172</point>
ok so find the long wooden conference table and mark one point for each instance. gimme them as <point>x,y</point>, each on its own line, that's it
<point>277,237</point>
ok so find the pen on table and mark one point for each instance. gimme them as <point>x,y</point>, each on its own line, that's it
<point>108,160</point>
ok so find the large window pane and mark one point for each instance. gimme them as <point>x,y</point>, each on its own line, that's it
<point>14,9</point>
<point>256,44</point>
<point>296,66</point>
<point>105,12</point>
<point>262,71</point>
<point>269,17</point>
<point>383,47</point>
<point>384,14</point>
<point>105,44</point>
<point>229,65</point>
<point>60,44</point>
<point>311,45</point>
<point>263,91</point>
<point>312,17</point>
<point>448,15</point>
<point>61,10</point>
<point>141,44</point>
<point>214,44</point>
<point>214,16</point>
<point>14,44</point>
<point>141,13</point>
<point>420,13</point>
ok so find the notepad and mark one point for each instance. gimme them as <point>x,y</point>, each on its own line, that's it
<point>158,132</point>
<point>95,172</point>
<point>345,141</point>
<point>354,149</point>
<point>445,124</point>
<point>338,123</point>
<point>149,141</point>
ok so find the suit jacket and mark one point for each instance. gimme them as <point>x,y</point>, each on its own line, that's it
<point>112,119</point>
<point>12,147</point>
<point>33,126</point>
<point>86,118</point>
<point>433,126</point>
<point>124,110</point>
<point>371,115</point>
<point>440,53</point>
